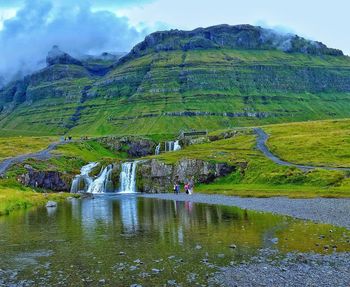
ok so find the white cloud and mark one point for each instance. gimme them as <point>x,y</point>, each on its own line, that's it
<point>26,38</point>
<point>5,14</point>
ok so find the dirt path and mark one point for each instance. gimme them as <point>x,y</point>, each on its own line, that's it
<point>40,155</point>
<point>261,140</point>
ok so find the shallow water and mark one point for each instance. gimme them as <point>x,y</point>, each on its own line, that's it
<point>123,240</point>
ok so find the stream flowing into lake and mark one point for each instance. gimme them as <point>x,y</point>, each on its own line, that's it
<point>120,240</point>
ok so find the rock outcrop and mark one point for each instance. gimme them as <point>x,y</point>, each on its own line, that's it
<point>156,177</point>
<point>48,180</point>
<point>134,147</point>
<point>56,56</point>
<point>246,37</point>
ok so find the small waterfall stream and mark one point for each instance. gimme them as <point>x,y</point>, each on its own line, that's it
<point>157,151</point>
<point>128,177</point>
<point>103,182</point>
<point>82,182</point>
<point>172,146</point>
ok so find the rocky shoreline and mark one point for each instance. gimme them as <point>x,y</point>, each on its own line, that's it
<point>291,270</point>
<point>325,210</point>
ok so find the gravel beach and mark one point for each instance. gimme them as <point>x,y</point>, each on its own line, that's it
<point>292,270</point>
<point>324,210</point>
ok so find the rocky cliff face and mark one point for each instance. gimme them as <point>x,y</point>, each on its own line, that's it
<point>156,177</point>
<point>48,180</point>
<point>133,146</point>
<point>228,37</point>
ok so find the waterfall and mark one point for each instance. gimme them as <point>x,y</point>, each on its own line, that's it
<point>157,151</point>
<point>103,183</point>
<point>128,177</point>
<point>82,181</point>
<point>172,146</point>
<point>177,146</point>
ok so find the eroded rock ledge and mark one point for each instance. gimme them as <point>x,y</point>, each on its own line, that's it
<point>154,176</point>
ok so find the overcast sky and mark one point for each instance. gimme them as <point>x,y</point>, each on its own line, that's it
<point>28,28</point>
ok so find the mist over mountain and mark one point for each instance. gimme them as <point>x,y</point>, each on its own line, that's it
<point>40,24</point>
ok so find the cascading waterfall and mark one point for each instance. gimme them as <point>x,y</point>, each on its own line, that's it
<point>177,145</point>
<point>103,183</point>
<point>82,182</point>
<point>172,146</point>
<point>157,151</point>
<point>128,177</point>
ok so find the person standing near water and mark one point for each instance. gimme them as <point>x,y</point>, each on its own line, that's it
<point>186,188</point>
<point>191,186</point>
<point>176,188</point>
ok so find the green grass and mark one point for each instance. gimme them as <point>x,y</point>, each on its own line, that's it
<point>318,143</point>
<point>257,176</point>
<point>14,196</point>
<point>13,146</point>
<point>135,97</point>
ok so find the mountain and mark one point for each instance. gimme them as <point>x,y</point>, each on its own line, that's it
<point>208,78</point>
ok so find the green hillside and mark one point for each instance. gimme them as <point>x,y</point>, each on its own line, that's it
<point>179,80</point>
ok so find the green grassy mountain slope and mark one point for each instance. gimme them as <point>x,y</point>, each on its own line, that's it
<point>211,78</point>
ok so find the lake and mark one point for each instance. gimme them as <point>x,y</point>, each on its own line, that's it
<point>120,240</point>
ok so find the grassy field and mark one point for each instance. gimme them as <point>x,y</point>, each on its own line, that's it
<point>318,143</point>
<point>13,146</point>
<point>257,176</point>
<point>14,196</point>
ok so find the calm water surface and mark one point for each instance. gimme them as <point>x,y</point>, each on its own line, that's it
<point>125,240</point>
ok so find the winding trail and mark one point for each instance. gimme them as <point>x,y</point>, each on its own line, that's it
<point>261,145</point>
<point>40,155</point>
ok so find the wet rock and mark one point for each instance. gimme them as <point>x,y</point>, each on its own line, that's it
<point>51,204</point>
<point>172,283</point>
<point>156,271</point>
<point>274,240</point>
